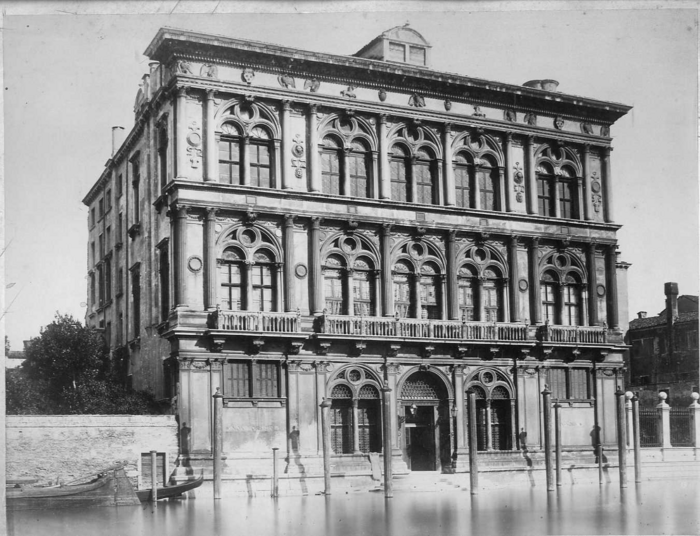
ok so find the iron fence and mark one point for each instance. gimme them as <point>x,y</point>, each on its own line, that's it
<point>648,433</point>
<point>680,427</point>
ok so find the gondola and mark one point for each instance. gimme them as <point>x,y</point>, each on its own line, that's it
<point>165,492</point>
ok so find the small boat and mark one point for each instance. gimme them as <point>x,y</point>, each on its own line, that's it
<point>110,487</point>
<point>173,490</point>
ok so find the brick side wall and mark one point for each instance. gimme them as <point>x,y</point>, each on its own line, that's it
<point>70,446</point>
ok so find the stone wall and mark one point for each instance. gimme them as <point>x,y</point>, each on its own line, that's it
<point>70,446</point>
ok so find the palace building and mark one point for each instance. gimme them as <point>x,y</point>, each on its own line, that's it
<point>291,226</point>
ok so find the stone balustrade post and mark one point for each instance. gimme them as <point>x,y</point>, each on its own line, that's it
<point>663,423</point>
<point>694,410</point>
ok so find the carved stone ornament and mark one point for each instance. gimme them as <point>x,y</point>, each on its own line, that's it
<point>287,81</point>
<point>199,365</point>
<point>323,348</point>
<point>510,115</point>
<point>247,75</point>
<point>194,264</point>
<point>295,347</point>
<point>194,142</point>
<point>448,105</point>
<point>530,119</point>
<point>600,290</point>
<point>382,95</point>
<point>301,271</point>
<point>349,93</point>
<point>597,200</point>
<point>312,85</point>
<point>518,175</point>
<point>586,128</point>
<point>416,100</point>
<point>183,67</point>
<point>523,285</point>
<point>605,131</point>
<point>558,122</point>
<point>595,186</point>
<point>478,112</point>
<point>209,70</point>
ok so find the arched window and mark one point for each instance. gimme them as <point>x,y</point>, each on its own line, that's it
<point>430,295</point>
<point>491,288</point>
<point>462,181</point>
<point>399,165</point>
<point>260,162</point>
<point>466,282</point>
<point>545,190</point>
<point>231,280</point>
<point>363,290</point>
<point>404,299</point>
<point>425,175</point>
<point>263,282</point>
<point>487,177</point>
<point>568,194</point>
<point>548,291</point>
<point>357,162</point>
<point>330,166</point>
<point>333,282</point>
<point>571,308</point>
<point>230,155</point>
<point>341,419</point>
<point>368,419</point>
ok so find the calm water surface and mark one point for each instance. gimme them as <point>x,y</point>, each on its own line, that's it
<point>648,508</point>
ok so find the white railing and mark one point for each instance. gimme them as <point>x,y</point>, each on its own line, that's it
<point>574,334</point>
<point>257,321</point>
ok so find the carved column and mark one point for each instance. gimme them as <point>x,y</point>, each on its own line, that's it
<point>460,429</point>
<point>583,311</point>
<point>480,306</point>
<point>355,427</point>
<point>415,281</point>
<point>502,195</point>
<point>210,291</point>
<point>181,132</point>
<point>245,161</point>
<point>180,253</point>
<point>556,191</point>
<point>452,284</point>
<point>579,192</point>
<point>587,207</point>
<point>489,431</point>
<point>286,140</point>
<point>611,276</point>
<point>348,285</point>
<point>506,301</point>
<point>248,282</point>
<point>592,286</point>
<point>411,178</point>
<point>279,284</point>
<point>439,195</point>
<point>449,171</point>
<point>374,194</point>
<point>211,157</point>
<point>387,286</point>
<point>315,266</point>
<point>312,152</point>
<point>384,172</point>
<point>530,174</point>
<point>477,188</point>
<point>508,141</point>
<point>513,280</point>
<point>289,298</point>
<point>535,305</point>
<point>345,172</point>
<point>607,187</point>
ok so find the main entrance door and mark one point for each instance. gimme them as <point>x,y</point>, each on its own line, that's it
<point>420,438</point>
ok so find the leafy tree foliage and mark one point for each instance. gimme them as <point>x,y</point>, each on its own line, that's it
<point>68,370</point>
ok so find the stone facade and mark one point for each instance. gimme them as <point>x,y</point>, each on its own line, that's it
<point>297,226</point>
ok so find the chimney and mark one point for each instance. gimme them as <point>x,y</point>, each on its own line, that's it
<point>118,136</point>
<point>671,291</point>
<point>642,314</point>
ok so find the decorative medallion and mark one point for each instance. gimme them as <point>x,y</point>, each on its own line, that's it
<point>209,70</point>
<point>605,131</point>
<point>416,100</point>
<point>299,163</point>
<point>382,94</point>
<point>194,140</point>
<point>510,115</point>
<point>448,104</point>
<point>558,122</point>
<point>522,285</point>
<point>247,75</point>
<point>300,270</point>
<point>600,290</point>
<point>183,67</point>
<point>530,119</point>
<point>586,128</point>
<point>286,81</point>
<point>595,186</point>
<point>518,173</point>
<point>194,264</point>
<point>349,93</point>
<point>478,112</point>
<point>312,85</point>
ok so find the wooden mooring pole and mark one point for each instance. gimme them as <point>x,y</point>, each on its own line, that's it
<point>275,477</point>
<point>388,470</point>
<point>547,414</point>
<point>218,440</point>
<point>621,437</point>
<point>557,442</point>
<point>473,463</point>
<point>326,431</point>
<point>637,442</point>
<point>154,478</point>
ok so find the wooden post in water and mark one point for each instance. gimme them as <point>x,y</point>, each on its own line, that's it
<point>218,440</point>
<point>326,432</point>
<point>154,478</point>
<point>600,463</point>
<point>388,470</point>
<point>621,436</point>
<point>637,442</point>
<point>473,464</point>
<point>275,477</point>
<point>557,442</point>
<point>547,414</point>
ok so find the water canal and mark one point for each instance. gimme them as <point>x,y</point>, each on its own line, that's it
<point>656,507</point>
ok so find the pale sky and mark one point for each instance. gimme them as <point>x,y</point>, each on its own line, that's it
<point>68,79</point>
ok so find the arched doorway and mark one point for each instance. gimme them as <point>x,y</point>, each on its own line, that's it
<point>495,410</point>
<point>425,423</point>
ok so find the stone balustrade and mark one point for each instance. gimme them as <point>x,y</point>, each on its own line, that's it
<point>257,321</point>
<point>573,334</point>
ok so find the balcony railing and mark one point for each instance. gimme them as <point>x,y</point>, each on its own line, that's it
<point>409,328</point>
<point>256,321</point>
<point>573,334</point>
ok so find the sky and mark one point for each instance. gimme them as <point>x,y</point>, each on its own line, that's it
<point>69,78</point>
